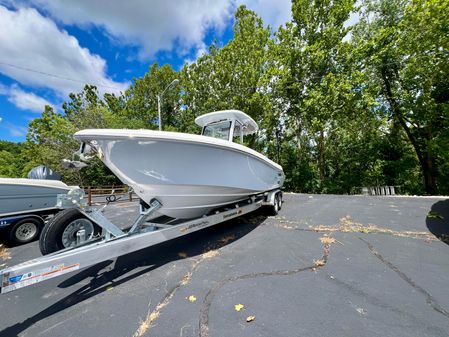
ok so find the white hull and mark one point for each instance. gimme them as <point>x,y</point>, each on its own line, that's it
<point>24,195</point>
<point>189,174</point>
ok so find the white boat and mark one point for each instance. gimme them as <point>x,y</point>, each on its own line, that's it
<point>189,175</point>
<point>21,195</point>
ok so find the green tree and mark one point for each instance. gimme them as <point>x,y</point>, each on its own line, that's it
<point>405,51</point>
<point>140,100</point>
<point>231,77</point>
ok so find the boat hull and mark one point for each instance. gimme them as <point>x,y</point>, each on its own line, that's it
<point>25,195</point>
<point>190,177</point>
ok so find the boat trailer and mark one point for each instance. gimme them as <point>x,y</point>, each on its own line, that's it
<point>115,242</point>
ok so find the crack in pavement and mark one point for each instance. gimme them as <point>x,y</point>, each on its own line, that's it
<point>211,250</point>
<point>204,312</point>
<point>146,324</point>
<point>373,300</point>
<point>429,299</point>
<point>347,225</point>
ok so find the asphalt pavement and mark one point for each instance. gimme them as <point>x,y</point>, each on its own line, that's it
<point>325,266</point>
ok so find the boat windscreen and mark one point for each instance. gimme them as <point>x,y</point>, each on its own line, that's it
<point>218,130</point>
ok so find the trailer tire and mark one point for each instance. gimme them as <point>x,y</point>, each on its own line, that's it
<point>275,208</point>
<point>25,230</point>
<point>64,226</point>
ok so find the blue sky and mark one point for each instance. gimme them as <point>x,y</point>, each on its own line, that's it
<point>49,48</point>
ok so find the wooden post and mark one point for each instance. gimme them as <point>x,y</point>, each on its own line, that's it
<point>89,196</point>
<point>130,196</point>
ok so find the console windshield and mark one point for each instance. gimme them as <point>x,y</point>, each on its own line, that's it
<point>218,130</point>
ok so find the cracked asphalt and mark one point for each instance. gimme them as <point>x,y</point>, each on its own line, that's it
<point>325,266</point>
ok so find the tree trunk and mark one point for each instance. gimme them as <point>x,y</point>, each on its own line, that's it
<point>321,157</point>
<point>425,160</point>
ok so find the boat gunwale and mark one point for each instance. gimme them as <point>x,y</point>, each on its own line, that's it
<point>93,134</point>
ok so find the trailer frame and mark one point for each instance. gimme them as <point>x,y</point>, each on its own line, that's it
<point>116,242</point>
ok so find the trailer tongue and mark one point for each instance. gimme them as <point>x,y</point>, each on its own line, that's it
<point>113,242</point>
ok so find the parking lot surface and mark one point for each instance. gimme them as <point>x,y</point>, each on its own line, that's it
<point>325,266</point>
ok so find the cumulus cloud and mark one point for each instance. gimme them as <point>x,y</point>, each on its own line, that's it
<point>22,99</point>
<point>159,24</point>
<point>273,13</point>
<point>31,41</point>
<point>27,100</point>
<point>152,25</point>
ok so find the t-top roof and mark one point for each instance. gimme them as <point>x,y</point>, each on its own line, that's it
<point>249,125</point>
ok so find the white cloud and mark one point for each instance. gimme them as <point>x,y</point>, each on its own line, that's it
<point>272,12</point>
<point>24,100</point>
<point>152,25</point>
<point>159,24</point>
<point>30,40</point>
<point>27,100</point>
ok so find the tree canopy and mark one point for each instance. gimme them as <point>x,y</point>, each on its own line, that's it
<point>339,106</point>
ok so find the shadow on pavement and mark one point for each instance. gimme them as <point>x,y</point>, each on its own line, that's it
<point>106,274</point>
<point>437,220</point>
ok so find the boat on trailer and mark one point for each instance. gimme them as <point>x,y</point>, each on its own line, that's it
<point>25,204</point>
<point>193,181</point>
<point>189,174</point>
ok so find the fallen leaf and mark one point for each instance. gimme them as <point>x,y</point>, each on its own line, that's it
<point>327,240</point>
<point>209,254</point>
<point>319,263</point>
<point>109,288</point>
<point>238,307</point>
<point>192,298</point>
<point>4,253</point>
<point>182,255</point>
<point>250,318</point>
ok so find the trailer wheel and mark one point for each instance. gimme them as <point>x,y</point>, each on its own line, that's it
<point>61,231</point>
<point>275,208</point>
<point>25,230</point>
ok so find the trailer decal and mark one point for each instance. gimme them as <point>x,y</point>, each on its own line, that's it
<point>198,224</point>
<point>23,280</point>
<point>232,214</point>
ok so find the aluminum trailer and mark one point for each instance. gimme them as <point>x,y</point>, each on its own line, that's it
<point>116,242</point>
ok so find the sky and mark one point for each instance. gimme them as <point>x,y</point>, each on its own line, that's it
<point>49,48</point>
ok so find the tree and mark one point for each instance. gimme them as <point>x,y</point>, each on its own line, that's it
<point>231,77</point>
<point>405,48</point>
<point>141,99</point>
<point>50,137</point>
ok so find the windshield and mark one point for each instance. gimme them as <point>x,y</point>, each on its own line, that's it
<point>218,130</point>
